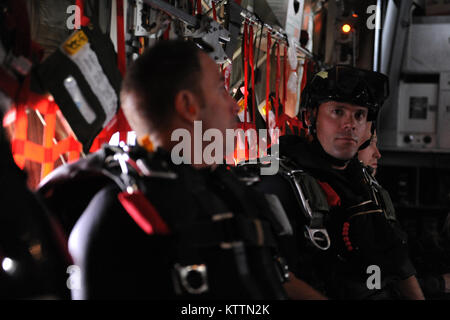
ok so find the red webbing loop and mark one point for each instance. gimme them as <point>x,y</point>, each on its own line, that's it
<point>245,71</point>
<point>213,4</point>
<point>269,44</point>
<point>84,19</point>
<point>252,66</point>
<point>285,78</point>
<point>277,83</point>
<point>121,59</point>
<point>199,7</point>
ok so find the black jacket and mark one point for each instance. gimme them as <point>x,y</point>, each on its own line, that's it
<point>338,272</point>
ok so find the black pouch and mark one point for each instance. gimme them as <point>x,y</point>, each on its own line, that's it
<point>84,80</point>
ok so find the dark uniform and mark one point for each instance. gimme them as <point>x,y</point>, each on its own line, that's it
<point>33,259</point>
<point>162,231</point>
<point>344,223</point>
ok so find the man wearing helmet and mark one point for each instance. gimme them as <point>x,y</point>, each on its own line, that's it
<point>344,245</point>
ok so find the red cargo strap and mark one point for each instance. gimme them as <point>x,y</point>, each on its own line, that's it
<point>252,66</point>
<point>277,83</point>
<point>199,7</point>
<point>213,4</point>
<point>269,44</point>
<point>246,53</point>
<point>84,19</point>
<point>285,78</point>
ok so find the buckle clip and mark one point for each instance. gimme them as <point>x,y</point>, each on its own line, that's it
<point>318,236</point>
<point>194,278</point>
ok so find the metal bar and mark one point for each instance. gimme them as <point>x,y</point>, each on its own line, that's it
<point>218,5</point>
<point>166,7</point>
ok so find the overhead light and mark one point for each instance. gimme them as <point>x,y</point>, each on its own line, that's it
<point>346,28</point>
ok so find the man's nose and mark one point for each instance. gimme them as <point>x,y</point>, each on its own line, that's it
<point>377,154</point>
<point>349,122</point>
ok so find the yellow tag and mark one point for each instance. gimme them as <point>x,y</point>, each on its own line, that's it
<point>241,104</point>
<point>323,74</point>
<point>146,143</point>
<point>75,42</point>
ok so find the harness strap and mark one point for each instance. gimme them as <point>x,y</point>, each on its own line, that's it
<point>227,231</point>
<point>312,201</point>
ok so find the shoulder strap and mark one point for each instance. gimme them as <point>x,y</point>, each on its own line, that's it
<point>313,202</point>
<point>381,196</point>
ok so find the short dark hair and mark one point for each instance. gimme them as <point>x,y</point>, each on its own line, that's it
<point>157,76</point>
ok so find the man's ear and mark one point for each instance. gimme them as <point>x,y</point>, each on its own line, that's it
<point>187,105</point>
<point>308,114</point>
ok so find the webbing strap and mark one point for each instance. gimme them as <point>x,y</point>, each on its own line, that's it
<point>285,78</point>
<point>213,4</point>
<point>199,7</point>
<point>84,19</point>
<point>269,45</point>
<point>246,54</point>
<point>277,83</point>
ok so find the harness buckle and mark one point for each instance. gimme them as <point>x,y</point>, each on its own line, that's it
<point>194,278</point>
<point>318,237</point>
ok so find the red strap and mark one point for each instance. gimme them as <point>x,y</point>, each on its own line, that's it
<point>121,59</point>
<point>269,44</point>
<point>122,124</point>
<point>252,66</point>
<point>213,4</point>
<point>84,19</point>
<point>245,71</point>
<point>285,78</point>
<point>277,83</point>
<point>199,7</point>
<point>143,213</point>
<point>332,197</point>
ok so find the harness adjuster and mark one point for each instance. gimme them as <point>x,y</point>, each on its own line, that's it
<point>318,236</point>
<point>193,278</point>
